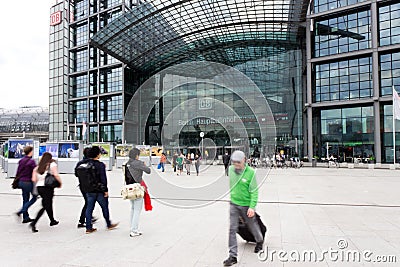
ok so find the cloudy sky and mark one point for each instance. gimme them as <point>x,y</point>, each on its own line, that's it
<point>24,57</point>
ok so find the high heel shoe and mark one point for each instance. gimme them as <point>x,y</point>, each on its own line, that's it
<point>33,228</point>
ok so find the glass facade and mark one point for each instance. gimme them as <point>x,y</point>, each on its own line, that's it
<point>82,76</point>
<point>326,5</point>
<point>347,133</point>
<point>387,133</point>
<point>343,33</point>
<point>58,74</point>
<point>343,80</point>
<point>110,80</point>
<point>389,24</point>
<point>240,34</point>
<point>105,49</point>
<point>390,72</point>
<point>360,83</point>
<point>111,108</point>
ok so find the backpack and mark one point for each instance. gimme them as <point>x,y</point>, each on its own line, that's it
<point>88,179</point>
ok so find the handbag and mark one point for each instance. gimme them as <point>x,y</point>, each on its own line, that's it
<point>15,183</point>
<point>159,166</point>
<point>51,181</point>
<point>132,190</point>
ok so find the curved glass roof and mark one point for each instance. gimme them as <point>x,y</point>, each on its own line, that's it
<point>159,33</point>
<point>24,119</point>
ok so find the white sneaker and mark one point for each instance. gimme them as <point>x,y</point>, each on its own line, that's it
<point>133,234</point>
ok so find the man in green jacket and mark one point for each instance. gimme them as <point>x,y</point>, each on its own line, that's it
<point>244,197</point>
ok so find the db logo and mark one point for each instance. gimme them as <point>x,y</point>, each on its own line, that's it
<point>55,18</point>
<point>205,103</point>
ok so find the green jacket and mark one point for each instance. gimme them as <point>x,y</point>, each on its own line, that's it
<point>179,160</point>
<point>244,189</point>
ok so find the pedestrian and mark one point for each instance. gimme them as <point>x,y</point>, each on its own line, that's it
<point>163,160</point>
<point>47,165</point>
<point>188,164</point>
<point>197,164</point>
<point>136,169</point>
<point>179,163</point>
<point>99,194</point>
<point>82,218</point>
<point>244,197</point>
<point>174,158</point>
<point>25,168</point>
<point>226,160</point>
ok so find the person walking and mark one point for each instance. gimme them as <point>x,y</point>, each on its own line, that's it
<point>163,160</point>
<point>179,163</point>
<point>174,158</point>
<point>25,168</point>
<point>136,169</point>
<point>244,198</point>
<point>81,222</point>
<point>47,165</point>
<point>226,160</point>
<point>188,164</point>
<point>99,194</point>
<point>197,164</point>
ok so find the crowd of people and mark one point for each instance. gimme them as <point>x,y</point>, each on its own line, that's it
<point>33,181</point>
<point>180,161</point>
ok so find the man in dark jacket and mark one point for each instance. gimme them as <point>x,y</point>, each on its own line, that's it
<point>99,195</point>
<point>226,159</point>
<point>81,223</point>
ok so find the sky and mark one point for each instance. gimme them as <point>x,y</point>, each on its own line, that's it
<point>24,53</point>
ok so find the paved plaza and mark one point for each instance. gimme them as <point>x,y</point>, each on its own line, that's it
<point>306,209</point>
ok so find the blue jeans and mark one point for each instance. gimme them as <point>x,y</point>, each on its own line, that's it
<point>27,188</point>
<point>92,198</point>
<point>136,208</point>
<point>162,166</point>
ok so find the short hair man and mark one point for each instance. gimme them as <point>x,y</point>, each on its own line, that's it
<point>244,197</point>
<point>99,195</point>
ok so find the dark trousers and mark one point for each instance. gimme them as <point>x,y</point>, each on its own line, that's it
<point>27,188</point>
<point>92,198</point>
<point>46,193</point>
<point>83,212</point>
<point>234,212</point>
<point>226,168</point>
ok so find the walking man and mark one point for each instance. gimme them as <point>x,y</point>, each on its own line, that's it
<point>244,197</point>
<point>99,194</point>
<point>81,223</point>
<point>226,159</point>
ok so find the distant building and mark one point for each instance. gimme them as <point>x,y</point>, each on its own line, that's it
<point>29,122</point>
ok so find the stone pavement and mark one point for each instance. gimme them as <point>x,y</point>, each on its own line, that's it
<point>306,209</point>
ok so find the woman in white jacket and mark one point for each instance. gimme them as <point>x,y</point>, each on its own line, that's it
<point>46,165</point>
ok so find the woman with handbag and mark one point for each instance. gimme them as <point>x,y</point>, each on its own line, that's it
<point>135,167</point>
<point>24,176</point>
<point>46,177</point>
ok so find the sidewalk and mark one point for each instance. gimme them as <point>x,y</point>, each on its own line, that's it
<point>306,209</point>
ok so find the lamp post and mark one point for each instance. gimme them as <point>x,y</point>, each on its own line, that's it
<point>202,144</point>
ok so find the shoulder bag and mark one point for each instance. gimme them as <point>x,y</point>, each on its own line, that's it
<point>51,181</point>
<point>132,191</point>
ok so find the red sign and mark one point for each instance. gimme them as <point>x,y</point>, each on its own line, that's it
<point>55,18</point>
